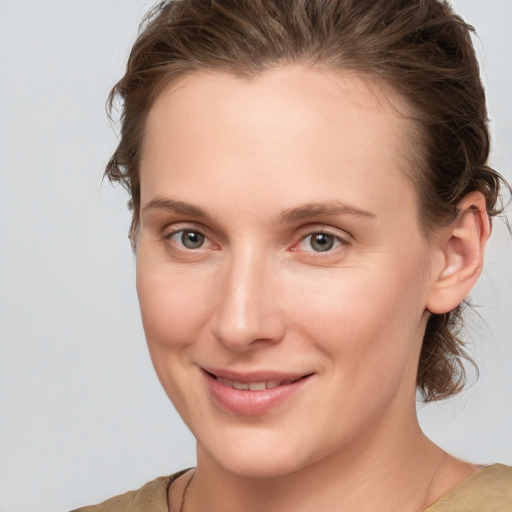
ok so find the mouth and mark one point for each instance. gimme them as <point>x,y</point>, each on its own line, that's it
<point>251,394</point>
<point>256,385</point>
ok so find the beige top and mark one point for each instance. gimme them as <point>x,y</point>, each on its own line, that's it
<point>488,490</point>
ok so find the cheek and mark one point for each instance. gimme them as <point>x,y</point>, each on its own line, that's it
<point>358,299</point>
<point>373,319</point>
<point>365,330</point>
<point>173,310</point>
<point>173,306</point>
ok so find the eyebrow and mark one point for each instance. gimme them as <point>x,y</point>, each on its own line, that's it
<point>312,210</point>
<point>306,211</point>
<point>171,205</point>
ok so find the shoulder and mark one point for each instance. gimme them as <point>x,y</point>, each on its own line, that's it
<point>150,497</point>
<point>488,490</point>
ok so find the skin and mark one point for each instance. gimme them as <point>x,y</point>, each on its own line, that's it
<point>242,163</point>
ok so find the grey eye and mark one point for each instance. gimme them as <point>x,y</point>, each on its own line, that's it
<point>192,239</point>
<point>321,242</point>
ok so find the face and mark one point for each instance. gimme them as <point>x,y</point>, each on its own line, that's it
<point>281,270</point>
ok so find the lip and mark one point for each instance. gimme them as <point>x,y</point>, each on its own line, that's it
<point>250,402</point>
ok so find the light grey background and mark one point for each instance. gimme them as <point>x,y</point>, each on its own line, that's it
<point>82,414</point>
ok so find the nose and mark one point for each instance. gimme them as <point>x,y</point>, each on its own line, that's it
<point>247,313</point>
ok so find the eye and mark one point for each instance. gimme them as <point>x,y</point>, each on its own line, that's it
<point>319,242</point>
<point>187,238</point>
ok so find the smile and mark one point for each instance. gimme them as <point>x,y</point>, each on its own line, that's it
<point>252,394</point>
<point>254,386</point>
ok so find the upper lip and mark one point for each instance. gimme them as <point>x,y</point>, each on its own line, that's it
<point>255,375</point>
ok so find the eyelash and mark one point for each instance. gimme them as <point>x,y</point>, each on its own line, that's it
<point>335,240</point>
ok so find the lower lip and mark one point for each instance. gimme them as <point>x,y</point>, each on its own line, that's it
<point>252,403</point>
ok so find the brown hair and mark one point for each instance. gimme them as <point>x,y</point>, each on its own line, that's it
<point>419,48</point>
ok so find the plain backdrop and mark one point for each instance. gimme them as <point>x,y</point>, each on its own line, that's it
<point>82,416</point>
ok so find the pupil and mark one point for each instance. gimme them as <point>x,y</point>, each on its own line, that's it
<point>322,242</point>
<point>192,240</point>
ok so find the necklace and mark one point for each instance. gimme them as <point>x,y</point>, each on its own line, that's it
<point>185,492</point>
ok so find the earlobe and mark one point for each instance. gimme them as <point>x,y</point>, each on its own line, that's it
<point>462,246</point>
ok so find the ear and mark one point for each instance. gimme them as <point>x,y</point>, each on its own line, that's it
<point>461,248</point>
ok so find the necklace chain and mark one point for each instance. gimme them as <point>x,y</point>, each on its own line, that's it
<point>185,492</point>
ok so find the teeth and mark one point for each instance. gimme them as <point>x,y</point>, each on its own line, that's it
<point>252,386</point>
<point>257,386</point>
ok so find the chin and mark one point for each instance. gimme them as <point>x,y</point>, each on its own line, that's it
<point>258,454</point>
<point>260,467</point>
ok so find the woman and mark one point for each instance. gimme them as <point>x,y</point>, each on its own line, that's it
<point>311,204</point>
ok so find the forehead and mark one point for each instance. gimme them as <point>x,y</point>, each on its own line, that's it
<point>306,94</point>
<point>290,125</point>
